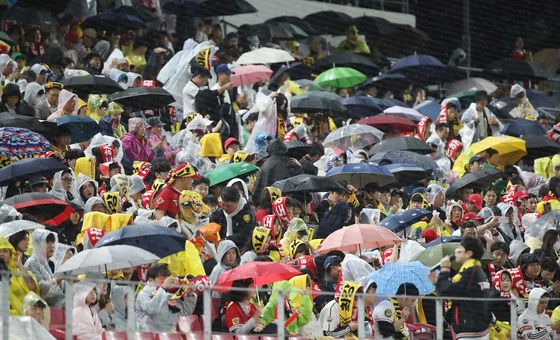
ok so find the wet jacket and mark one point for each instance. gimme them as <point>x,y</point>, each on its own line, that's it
<point>85,322</point>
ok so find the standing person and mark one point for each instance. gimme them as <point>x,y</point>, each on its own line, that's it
<point>471,318</point>
<point>223,73</point>
<point>440,138</point>
<point>313,155</point>
<point>249,123</point>
<point>353,43</point>
<point>167,201</point>
<point>236,218</point>
<point>199,80</point>
<point>134,142</point>
<point>479,120</point>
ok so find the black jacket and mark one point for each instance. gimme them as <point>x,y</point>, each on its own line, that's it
<point>334,219</point>
<point>308,167</point>
<point>243,224</point>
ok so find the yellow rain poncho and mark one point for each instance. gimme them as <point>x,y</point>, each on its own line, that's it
<point>185,262</point>
<point>105,222</point>
<point>211,145</point>
<point>86,166</point>
<point>94,103</point>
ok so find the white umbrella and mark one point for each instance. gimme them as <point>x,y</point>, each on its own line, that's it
<point>12,227</point>
<point>353,136</point>
<point>471,84</point>
<point>265,55</point>
<point>100,260</point>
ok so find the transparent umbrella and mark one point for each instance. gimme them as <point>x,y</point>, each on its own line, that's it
<point>353,136</point>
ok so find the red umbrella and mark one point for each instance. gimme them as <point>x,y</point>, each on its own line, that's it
<point>262,273</point>
<point>250,74</point>
<point>398,124</point>
<point>49,208</point>
<point>357,236</point>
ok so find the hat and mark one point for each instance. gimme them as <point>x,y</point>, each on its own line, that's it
<point>223,68</point>
<point>155,121</point>
<point>72,37</point>
<point>230,141</point>
<point>40,69</point>
<point>476,158</point>
<point>53,85</point>
<point>486,213</point>
<point>38,180</point>
<point>330,261</point>
<point>17,55</point>
<point>183,170</point>
<point>476,199</point>
<point>521,194</point>
<point>480,95</point>
<point>470,216</point>
<point>89,32</point>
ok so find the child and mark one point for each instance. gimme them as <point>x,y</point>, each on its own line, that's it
<point>85,322</point>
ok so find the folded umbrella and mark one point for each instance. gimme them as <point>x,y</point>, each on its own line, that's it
<point>143,98</point>
<point>400,221</point>
<point>395,123</point>
<point>478,180</point>
<point>19,143</point>
<point>353,136</point>
<point>47,208</point>
<point>30,167</point>
<point>340,77</point>
<point>318,102</point>
<point>265,55</point>
<point>91,84</point>
<point>470,84</point>
<point>307,183</point>
<point>402,144</point>
<point>262,273</point>
<point>356,61</point>
<point>363,106</point>
<point>226,172</point>
<point>405,112</point>
<point>407,157</point>
<point>522,127</point>
<point>425,69</point>
<point>361,174</point>
<point>356,237</point>
<point>105,259</point>
<point>540,146</point>
<point>9,228</point>
<point>433,255</point>
<point>393,275</point>
<point>250,74</point>
<point>406,174</point>
<point>82,128</point>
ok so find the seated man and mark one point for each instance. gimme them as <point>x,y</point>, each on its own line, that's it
<point>393,314</point>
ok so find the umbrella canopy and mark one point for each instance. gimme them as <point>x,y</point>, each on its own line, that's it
<point>141,13</point>
<point>30,167</point>
<point>101,260</point>
<point>406,174</point>
<point>401,221</point>
<point>299,22</point>
<point>262,273</point>
<point>540,146</point>
<point>395,123</point>
<point>48,208</point>
<point>362,106</point>
<point>392,275</point>
<point>307,183</point>
<point>29,16</point>
<point>402,144</point>
<point>314,102</point>
<point>265,55</point>
<point>340,77</point>
<point>143,98</point>
<point>430,108</point>
<point>296,148</point>
<point>516,70</point>
<point>18,143</point>
<point>404,41</point>
<point>356,237</point>
<point>375,26</point>
<point>353,136</point>
<point>388,81</point>
<point>405,112</point>
<point>155,239</point>
<point>329,22</point>
<point>546,222</point>
<point>540,98</point>
<point>471,84</point>
<point>433,255</point>
<point>91,84</point>
<point>16,120</point>
<point>409,158</point>
<point>522,127</point>
<point>250,74</point>
<point>360,174</point>
<point>225,172</point>
<point>425,69</point>
<point>443,239</point>
<point>9,228</point>
<point>115,18</point>
<point>356,61</point>
<point>510,149</point>
<point>296,70</point>
<point>308,85</point>
<point>82,128</point>
<point>212,8</point>
<point>480,180</point>
<point>501,107</point>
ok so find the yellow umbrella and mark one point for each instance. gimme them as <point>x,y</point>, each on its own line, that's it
<point>510,150</point>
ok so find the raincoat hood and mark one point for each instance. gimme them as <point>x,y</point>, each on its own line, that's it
<point>223,248</point>
<point>451,209</point>
<point>82,180</point>
<point>39,243</point>
<point>136,185</point>
<point>5,60</point>
<point>4,244</point>
<point>81,291</point>
<point>63,98</point>
<point>534,297</point>
<point>516,89</point>
<point>516,248</point>
<point>31,91</point>
<point>57,188</point>
<point>277,148</point>
<point>243,184</point>
<point>59,254</point>
<point>86,166</point>
<point>91,202</point>
<point>211,145</point>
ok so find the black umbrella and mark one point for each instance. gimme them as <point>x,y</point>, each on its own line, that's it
<point>81,127</point>
<point>299,22</point>
<point>405,40</point>
<point>210,8</point>
<point>406,174</point>
<point>363,106</point>
<point>91,84</point>
<point>141,13</point>
<point>30,167</point>
<point>540,146</point>
<point>114,19</point>
<point>427,70</point>
<point>49,208</point>
<point>409,158</point>
<point>402,144</point>
<point>297,149</point>
<point>388,81</point>
<point>501,107</point>
<point>315,102</point>
<point>29,16</point>
<point>330,22</point>
<point>143,98</point>
<point>375,26</point>
<point>296,70</point>
<point>516,70</point>
<point>477,180</point>
<point>268,32</point>
<point>356,61</point>
<point>16,120</point>
<point>307,183</point>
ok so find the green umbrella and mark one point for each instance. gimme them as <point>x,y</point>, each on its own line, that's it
<point>340,77</point>
<point>431,256</point>
<point>465,97</point>
<point>229,171</point>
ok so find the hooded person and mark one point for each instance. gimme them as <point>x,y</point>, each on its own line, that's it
<point>35,96</point>
<point>134,141</point>
<point>235,217</point>
<point>12,101</point>
<point>228,258</point>
<point>277,167</point>
<point>94,204</point>
<point>523,108</point>
<point>86,189</point>
<point>7,66</point>
<point>67,105</point>
<point>85,321</point>
<point>534,323</point>
<point>455,217</point>
<point>509,284</point>
<point>44,243</point>
<point>516,249</point>
<point>64,185</point>
<point>241,187</point>
<point>509,224</point>
<point>96,107</point>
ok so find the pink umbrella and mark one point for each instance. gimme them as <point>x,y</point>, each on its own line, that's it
<point>357,236</point>
<point>250,74</point>
<point>405,112</point>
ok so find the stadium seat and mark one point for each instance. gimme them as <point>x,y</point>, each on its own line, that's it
<point>169,336</point>
<point>58,319</point>
<point>247,337</point>
<point>145,336</point>
<point>107,335</point>
<point>222,337</point>
<point>57,333</point>
<point>189,323</point>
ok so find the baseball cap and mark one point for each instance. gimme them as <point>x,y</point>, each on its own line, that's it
<point>332,260</point>
<point>223,68</point>
<point>38,180</point>
<point>230,141</point>
<point>476,199</point>
<point>155,121</point>
<point>476,158</point>
<point>470,216</point>
<point>40,69</point>
<point>89,32</point>
<point>521,194</point>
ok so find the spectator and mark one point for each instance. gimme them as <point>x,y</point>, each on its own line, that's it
<point>313,155</point>
<point>134,143</point>
<point>353,43</point>
<point>85,322</point>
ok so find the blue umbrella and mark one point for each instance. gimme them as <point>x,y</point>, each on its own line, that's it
<point>430,108</point>
<point>522,127</point>
<point>392,275</point>
<point>407,157</point>
<point>30,167</point>
<point>540,98</point>
<point>443,239</point>
<point>363,106</point>
<point>158,240</point>
<point>360,174</point>
<point>425,69</point>
<point>405,219</point>
<point>82,128</point>
<point>406,174</point>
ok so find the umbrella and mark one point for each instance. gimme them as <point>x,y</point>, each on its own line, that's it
<point>395,123</point>
<point>141,13</point>
<point>465,97</point>
<point>297,149</point>
<point>356,61</point>
<point>30,167</point>
<point>510,149</point>
<point>425,69</point>
<point>540,146</point>
<point>362,106</point>
<point>250,74</point>
<point>9,228</point>
<point>409,158</point>
<point>392,275</point>
<point>265,55</point>
<point>143,98</point>
<point>18,143</point>
<point>430,108</point>
<point>443,239</point>
<point>406,174</point>
<point>52,210</point>
<point>356,237</point>
<point>29,16</point>
<point>388,81</point>
<point>405,112</point>
<point>360,174</point>
<point>262,273</point>
<point>229,171</point>
<point>402,144</point>
<point>340,77</point>
<point>545,222</point>
<point>16,120</point>
<point>213,8</point>
<point>309,84</point>
<point>539,98</point>
<point>155,239</point>
<point>114,19</point>
<point>471,84</point>
<point>353,136</point>
<point>296,70</point>
<point>104,259</point>
<point>82,128</point>
<point>404,41</point>
<point>315,102</point>
<point>375,26</point>
<point>480,179</point>
<point>299,22</point>
<point>329,22</point>
<point>516,70</point>
<point>307,183</point>
<point>91,84</point>
<point>272,31</point>
<point>501,107</point>
<point>400,221</point>
<point>522,127</point>
<point>433,255</point>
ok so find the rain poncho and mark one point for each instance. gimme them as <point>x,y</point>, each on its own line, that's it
<point>5,60</point>
<point>85,322</point>
<point>38,264</point>
<point>37,99</point>
<point>91,202</point>
<point>473,132</point>
<point>266,122</point>
<point>94,102</point>
<point>136,149</point>
<point>211,145</point>
<point>82,180</point>
<point>220,268</point>
<point>524,109</point>
<point>58,190</point>
<point>63,97</point>
<point>505,228</point>
<point>532,325</point>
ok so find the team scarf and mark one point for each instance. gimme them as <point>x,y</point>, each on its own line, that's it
<point>469,264</point>
<point>398,315</point>
<point>346,301</point>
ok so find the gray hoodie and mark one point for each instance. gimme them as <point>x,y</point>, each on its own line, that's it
<point>220,268</point>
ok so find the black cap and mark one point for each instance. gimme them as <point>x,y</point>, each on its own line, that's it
<point>481,94</point>
<point>476,158</point>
